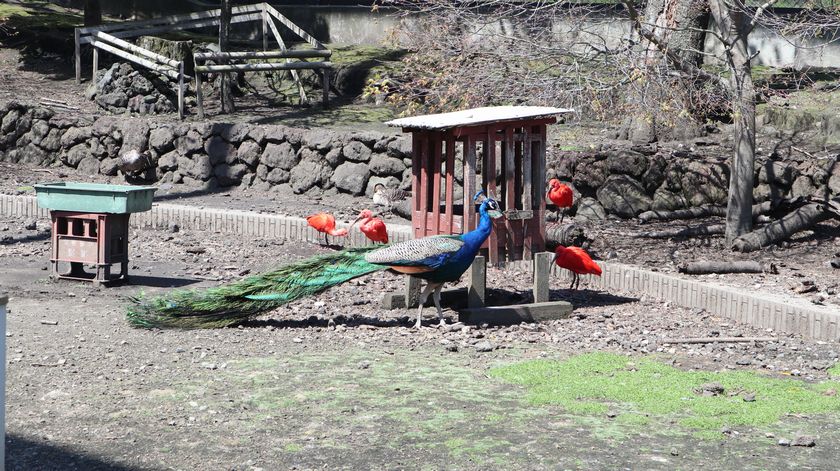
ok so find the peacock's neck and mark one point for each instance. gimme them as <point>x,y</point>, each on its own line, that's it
<point>476,237</point>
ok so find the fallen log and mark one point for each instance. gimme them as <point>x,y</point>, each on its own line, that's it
<point>690,213</point>
<point>565,235</point>
<point>720,340</point>
<point>690,231</point>
<point>798,220</point>
<point>746,266</point>
<point>708,210</point>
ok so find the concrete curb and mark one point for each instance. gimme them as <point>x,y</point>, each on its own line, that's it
<point>761,310</point>
<point>228,221</point>
<point>758,309</point>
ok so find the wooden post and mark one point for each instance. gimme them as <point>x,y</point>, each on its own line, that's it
<point>477,283</point>
<point>436,150</point>
<point>539,182</point>
<point>325,79</point>
<point>264,27</point>
<point>450,182</point>
<point>489,169</point>
<point>199,99</point>
<point>527,193</point>
<point>416,179</point>
<point>509,188</point>
<point>423,158</point>
<point>181,90</point>
<point>224,78</point>
<point>542,272</point>
<point>95,64</point>
<point>78,56</point>
<point>469,184</point>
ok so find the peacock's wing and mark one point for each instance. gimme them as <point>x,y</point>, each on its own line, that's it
<point>426,252</point>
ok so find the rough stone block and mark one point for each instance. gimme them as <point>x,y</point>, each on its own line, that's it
<point>517,313</point>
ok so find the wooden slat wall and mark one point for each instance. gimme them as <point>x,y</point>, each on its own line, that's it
<point>522,150</point>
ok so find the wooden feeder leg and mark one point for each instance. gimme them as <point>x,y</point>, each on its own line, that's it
<point>542,271</point>
<point>412,291</point>
<point>476,291</point>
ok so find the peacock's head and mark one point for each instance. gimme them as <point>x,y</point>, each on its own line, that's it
<point>488,205</point>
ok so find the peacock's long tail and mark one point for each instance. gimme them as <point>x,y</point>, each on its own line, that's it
<point>237,302</point>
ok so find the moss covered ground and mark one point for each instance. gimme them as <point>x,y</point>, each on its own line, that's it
<point>640,390</point>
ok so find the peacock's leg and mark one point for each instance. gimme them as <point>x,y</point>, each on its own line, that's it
<point>574,278</point>
<point>577,281</point>
<point>436,298</point>
<point>326,240</point>
<point>562,215</point>
<point>423,297</point>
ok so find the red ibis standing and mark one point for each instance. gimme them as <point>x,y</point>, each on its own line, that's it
<point>372,227</point>
<point>323,222</point>
<point>576,260</point>
<point>561,195</point>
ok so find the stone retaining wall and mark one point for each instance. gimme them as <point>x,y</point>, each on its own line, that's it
<point>623,182</point>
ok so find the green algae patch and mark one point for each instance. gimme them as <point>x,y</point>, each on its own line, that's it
<point>636,389</point>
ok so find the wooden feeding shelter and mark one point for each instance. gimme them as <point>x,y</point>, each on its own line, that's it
<point>502,150</point>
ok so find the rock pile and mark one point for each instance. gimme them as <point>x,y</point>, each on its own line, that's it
<point>124,88</point>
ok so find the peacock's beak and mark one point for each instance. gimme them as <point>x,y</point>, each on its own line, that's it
<point>354,222</point>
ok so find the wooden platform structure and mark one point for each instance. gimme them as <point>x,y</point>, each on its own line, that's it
<point>110,38</point>
<point>511,141</point>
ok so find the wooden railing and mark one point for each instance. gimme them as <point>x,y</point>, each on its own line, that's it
<point>107,38</point>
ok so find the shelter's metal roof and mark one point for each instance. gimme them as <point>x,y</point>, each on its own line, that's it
<point>477,116</point>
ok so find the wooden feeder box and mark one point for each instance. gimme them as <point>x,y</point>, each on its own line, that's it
<point>90,227</point>
<point>502,150</point>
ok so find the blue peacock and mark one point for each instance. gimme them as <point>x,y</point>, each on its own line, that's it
<point>436,259</point>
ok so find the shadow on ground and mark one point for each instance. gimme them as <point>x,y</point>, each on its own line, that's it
<point>26,454</point>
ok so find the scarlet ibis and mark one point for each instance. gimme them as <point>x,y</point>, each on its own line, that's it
<point>561,195</point>
<point>323,222</point>
<point>576,260</point>
<point>372,227</point>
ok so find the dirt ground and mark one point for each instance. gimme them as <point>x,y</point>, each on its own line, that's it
<point>336,382</point>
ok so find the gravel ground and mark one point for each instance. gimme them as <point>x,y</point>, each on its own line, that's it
<point>86,388</point>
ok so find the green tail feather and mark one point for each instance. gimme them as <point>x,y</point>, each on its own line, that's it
<point>237,302</point>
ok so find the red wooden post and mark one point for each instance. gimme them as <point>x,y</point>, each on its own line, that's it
<point>435,141</point>
<point>469,183</point>
<point>424,183</point>
<point>489,171</point>
<point>527,191</point>
<point>450,182</point>
<point>539,164</point>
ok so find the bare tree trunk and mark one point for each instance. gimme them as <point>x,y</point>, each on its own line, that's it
<point>734,27</point>
<point>93,13</point>
<point>679,25</point>
<point>224,79</point>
